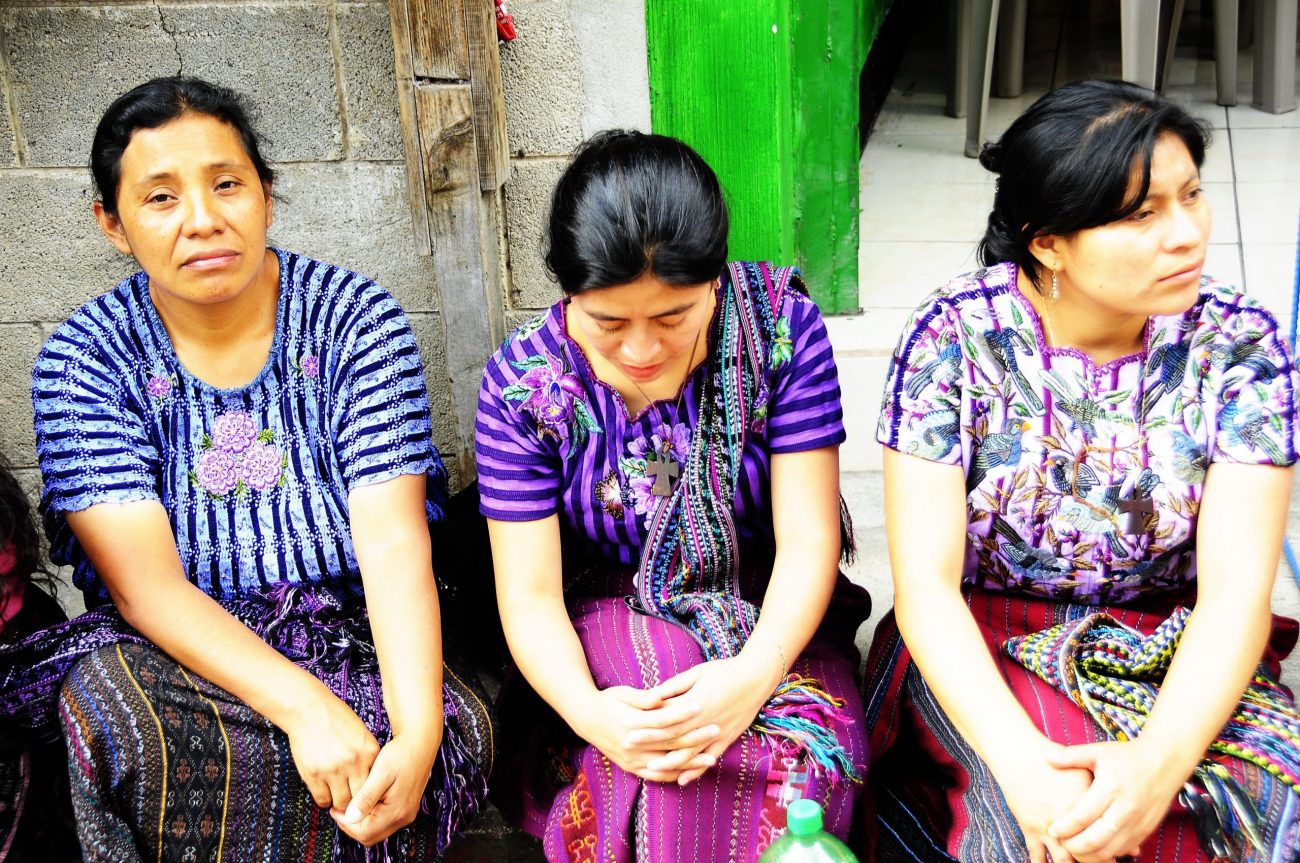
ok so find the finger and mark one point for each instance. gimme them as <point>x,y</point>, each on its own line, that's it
<point>1090,843</point>
<point>320,791</point>
<point>340,793</point>
<point>640,699</point>
<point>1085,813</point>
<point>665,739</point>
<point>700,765</point>
<point>372,791</point>
<point>680,759</point>
<point>678,683</point>
<point>1082,757</point>
<point>1037,851</point>
<point>675,716</point>
<point>1056,851</point>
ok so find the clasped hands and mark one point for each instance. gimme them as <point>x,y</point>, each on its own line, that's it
<point>677,730</point>
<point>370,791</point>
<point>1093,803</point>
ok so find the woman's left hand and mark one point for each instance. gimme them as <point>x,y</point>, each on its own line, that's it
<point>1131,791</point>
<point>389,799</point>
<point>728,693</point>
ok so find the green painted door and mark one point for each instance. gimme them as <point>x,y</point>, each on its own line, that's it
<point>767,91</point>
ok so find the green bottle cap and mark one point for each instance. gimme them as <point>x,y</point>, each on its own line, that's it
<point>804,817</point>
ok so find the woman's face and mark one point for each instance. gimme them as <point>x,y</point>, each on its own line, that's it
<point>645,326</point>
<point>192,211</point>
<point>1149,263</point>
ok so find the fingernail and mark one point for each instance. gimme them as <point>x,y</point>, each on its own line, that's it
<point>353,815</point>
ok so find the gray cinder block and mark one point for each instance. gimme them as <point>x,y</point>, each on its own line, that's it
<point>366,44</point>
<point>542,75</point>
<point>19,344</point>
<point>53,257</point>
<point>69,63</point>
<point>356,215</point>
<point>528,199</point>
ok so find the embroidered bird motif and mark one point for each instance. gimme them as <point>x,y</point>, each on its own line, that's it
<point>996,450</point>
<point>1189,461</point>
<point>1245,356</point>
<point>1029,558</point>
<point>1002,345</point>
<point>1170,361</point>
<point>1247,427</point>
<point>1084,413</point>
<point>943,367</point>
<point>936,433</point>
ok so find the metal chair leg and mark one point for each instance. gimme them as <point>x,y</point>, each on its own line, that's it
<point>1139,34</point>
<point>982,18</point>
<point>1274,64</point>
<point>1012,23</point>
<point>1225,50</point>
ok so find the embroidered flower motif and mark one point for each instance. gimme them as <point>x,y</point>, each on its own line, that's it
<point>609,495</point>
<point>217,472</point>
<point>237,457</point>
<point>159,386</point>
<point>261,466</point>
<point>553,395</point>
<point>782,346</point>
<point>639,484</point>
<point>233,432</point>
<point>309,365</point>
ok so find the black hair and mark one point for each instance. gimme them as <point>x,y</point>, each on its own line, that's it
<point>1068,163</point>
<point>18,530</point>
<point>631,203</point>
<point>156,103</point>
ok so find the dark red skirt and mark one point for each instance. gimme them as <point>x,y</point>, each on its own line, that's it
<point>934,799</point>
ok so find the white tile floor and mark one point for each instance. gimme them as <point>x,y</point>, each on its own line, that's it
<point>924,206</point>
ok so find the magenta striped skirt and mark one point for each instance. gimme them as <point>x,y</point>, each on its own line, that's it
<point>585,808</point>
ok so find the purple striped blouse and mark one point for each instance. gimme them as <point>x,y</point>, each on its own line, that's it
<point>551,437</point>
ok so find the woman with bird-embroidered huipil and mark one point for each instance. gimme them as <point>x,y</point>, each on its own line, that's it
<point>1087,468</point>
<point>658,464</point>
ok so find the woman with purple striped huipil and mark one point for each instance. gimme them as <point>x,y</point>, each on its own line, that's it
<point>658,462</point>
<point>236,450</point>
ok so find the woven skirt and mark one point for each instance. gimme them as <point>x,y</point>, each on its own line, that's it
<point>166,766</point>
<point>934,800</point>
<point>586,808</point>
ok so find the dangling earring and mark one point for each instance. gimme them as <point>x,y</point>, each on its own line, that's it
<point>1056,289</point>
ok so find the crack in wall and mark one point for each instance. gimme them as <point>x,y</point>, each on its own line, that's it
<point>162,22</point>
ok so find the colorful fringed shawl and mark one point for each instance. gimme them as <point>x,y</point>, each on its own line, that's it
<point>689,570</point>
<point>1114,673</point>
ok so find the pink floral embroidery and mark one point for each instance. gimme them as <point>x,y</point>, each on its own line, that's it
<point>159,386</point>
<point>554,396</point>
<point>237,457</point>
<point>674,446</point>
<point>309,365</point>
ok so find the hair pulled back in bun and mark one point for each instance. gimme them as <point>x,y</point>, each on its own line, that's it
<point>1070,162</point>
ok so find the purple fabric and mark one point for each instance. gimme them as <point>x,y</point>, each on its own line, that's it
<point>1056,449</point>
<point>553,438</point>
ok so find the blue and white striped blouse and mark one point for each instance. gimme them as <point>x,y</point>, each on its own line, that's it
<point>254,479</point>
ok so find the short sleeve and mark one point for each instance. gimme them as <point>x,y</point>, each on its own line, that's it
<point>384,429</point>
<point>920,412</point>
<point>519,474</point>
<point>1255,382</point>
<point>92,441</point>
<point>805,411</point>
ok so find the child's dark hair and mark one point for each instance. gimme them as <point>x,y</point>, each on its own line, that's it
<point>1068,163</point>
<point>18,531</point>
<point>631,203</point>
<point>156,103</point>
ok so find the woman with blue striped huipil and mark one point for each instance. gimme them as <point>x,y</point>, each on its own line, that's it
<point>236,450</point>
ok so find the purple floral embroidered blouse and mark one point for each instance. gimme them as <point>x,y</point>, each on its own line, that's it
<point>254,479</point>
<point>1084,481</point>
<point>551,438</point>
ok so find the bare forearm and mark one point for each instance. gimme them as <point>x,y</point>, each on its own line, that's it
<point>197,632</point>
<point>803,580</point>
<point>1219,651</point>
<point>547,650</point>
<point>954,659</point>
<point>406,623</point>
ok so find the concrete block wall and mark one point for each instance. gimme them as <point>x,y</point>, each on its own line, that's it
<point>576,68</point>
<point>320,75</point>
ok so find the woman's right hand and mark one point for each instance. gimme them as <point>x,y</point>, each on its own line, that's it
<point>611,719</point>
<point>332,749</point>
<point>1038,794</point>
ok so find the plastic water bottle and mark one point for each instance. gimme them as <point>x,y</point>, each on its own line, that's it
<point>805,841</point>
